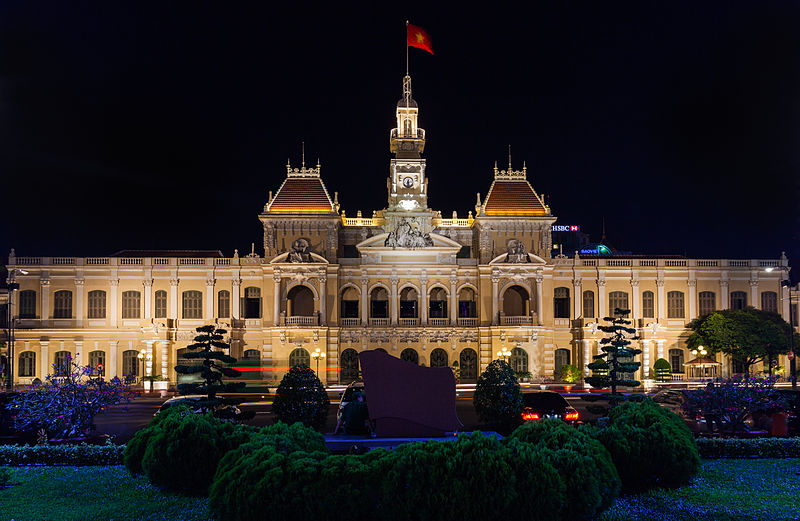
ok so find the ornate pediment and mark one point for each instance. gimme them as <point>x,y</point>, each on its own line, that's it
<point>440,250</point>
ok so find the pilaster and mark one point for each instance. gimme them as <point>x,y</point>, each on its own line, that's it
<point>147,289</point>
<point>112,303</point>
<point>44,358</point>
<point>79,302</point>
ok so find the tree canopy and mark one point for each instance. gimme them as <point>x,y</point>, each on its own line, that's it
<point>748,335</point>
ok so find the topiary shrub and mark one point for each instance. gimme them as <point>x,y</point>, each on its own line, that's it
<point>183,451</point>
<point>662,370</point>
<point>650,446</point>
<point>591,480</point>
<point>300,397</point>
<point>135,448</point>
<point>497,397</point>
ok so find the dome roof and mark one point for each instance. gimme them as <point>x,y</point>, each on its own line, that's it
<point>402,103</point>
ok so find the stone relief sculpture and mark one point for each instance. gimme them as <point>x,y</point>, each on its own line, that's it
<point>516,251</point>
<point>300,252</point>
<point>406,235</point>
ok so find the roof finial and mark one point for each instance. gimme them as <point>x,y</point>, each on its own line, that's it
<point>509,158</point>
<point>303,154</point>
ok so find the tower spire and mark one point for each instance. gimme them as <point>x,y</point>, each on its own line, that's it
<point>509,157</point>
<point>303,154</point>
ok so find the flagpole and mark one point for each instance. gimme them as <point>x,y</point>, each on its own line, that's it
<point>406,47</point>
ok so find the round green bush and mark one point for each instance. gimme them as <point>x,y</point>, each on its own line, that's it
<point>136,447</point>
<point>497,398</point>
<point>301,397</point>
<point>650,446</point>
<point>183,451</point>
<point>590,478</point>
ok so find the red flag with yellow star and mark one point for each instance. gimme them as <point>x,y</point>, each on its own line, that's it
<point>417,37</point>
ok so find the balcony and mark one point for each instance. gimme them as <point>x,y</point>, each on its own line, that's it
<point>301,321</point>
<point>515,321</point>
<point>439,321</point>
<point>349,322</point>
<point>378,321</point>
<point>409,321</point>
<point>467,321</point>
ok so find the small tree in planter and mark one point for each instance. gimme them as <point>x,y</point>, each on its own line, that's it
<point>65,404</point>
<point>208,346</point>
<point>301,397</point>
<point>662,370</point>
<point>570,373</point>
<point>497,397</point>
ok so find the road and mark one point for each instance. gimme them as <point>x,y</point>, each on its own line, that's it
<point>122,421</point>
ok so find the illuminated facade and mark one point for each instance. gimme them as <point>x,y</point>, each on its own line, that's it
<point>430,289</point>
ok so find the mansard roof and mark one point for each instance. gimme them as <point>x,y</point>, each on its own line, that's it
<point>513,198</point>
<point>302,192</point>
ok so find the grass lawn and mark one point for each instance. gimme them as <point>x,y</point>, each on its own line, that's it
<point>740,490</point>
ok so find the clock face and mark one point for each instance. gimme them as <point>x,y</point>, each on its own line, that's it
<point>408,182</point>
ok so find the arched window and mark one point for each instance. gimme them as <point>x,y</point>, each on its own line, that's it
<point>519,360</point>
<point>379,303</point>
<point>675,307</point>
<point>299,358</point>
<point>130,363</point>
<point>617,299</point>
<point>224,304</point>
<point>160,304</point>
<point>27,364</point>
<point>708,302</point>
<point>409,355</point>
<point>468,364</point>
<point>96,300</point>
<point>62,304</point>
<point>96,358</point>
<point>27,304</point>
<point>516,302</point>
<point>349,364</point>
<point>769,301</point>
<point>561,303</point>
<point>349,303</point>
<point>738,300</point>
<point>300,302</point>
<point>467,307</point>
<point>561,359</point>
<point>251,355</point>
<point>192,304</point>
<point>131,304</point>
<point>588,304</point>
<point>438,303</point>
<point>439,358</point>
<point>251,302</point>
<point>408,303</point>
<point>676,360</point>
<point>61,363</point>
<point>648,304</point>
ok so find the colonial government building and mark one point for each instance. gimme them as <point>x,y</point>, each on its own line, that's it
<point>427,288</point>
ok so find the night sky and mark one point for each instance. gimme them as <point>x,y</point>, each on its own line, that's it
<point>163,125</point>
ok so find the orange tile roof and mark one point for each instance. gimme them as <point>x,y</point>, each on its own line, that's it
<point>302,196</point>
<point>513,197</point>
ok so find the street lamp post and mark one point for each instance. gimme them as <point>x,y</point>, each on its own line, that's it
<point>13,286</point>
<point>503,354</point>
<point>316,355</point>
<point>792,361</point>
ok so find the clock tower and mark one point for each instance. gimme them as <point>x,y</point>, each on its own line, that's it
<point>407,183</point>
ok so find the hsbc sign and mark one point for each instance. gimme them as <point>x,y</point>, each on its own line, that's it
<point>566,228</point>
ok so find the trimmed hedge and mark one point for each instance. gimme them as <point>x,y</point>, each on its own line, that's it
<point>134,450</point>
<point>650,446</point>
<point>72,455</point>
<point>716,448</point>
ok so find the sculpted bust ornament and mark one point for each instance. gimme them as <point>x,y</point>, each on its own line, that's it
<point>516,251</point>
<point>300,252</point>
<point>407,236</point>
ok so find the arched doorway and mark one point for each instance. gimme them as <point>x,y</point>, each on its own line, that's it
<point>437,306</point>
<point>299,358</point>
<point>561,358</point>
<point>519,360</point>
<point>349,366</point>
<point>439,358</point>
<point>468,363</point>
<point>300,300</point>
<point>467,307</point>
<point>409,355</point>
<point>379,303</point>
<point>408,303</point>
<point>516,302</point>
<point>348,307</point>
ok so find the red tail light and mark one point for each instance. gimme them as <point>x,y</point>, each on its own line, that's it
<point>527,416</point>
<point>572,415</point>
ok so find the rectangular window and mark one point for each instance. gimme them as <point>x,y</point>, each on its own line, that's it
<point>707,301</point>
<point>738,300</point>
<point>62,304</point>
<point>467,309</point>
<point>131,304</point>
<point>27,304</point>
<point>160,307</point>
<point>251,302</point>
<point>224,304</point>
<point>438,309</point>
<point>379,308</point>
<point>349,309</point>
<point>561,303</point>
<point>588,304</point>
<point>617,299</point>
<point>648,305</point>
<point>675,307</point>
<point>192,304</point>
<point>769,301</point>
<point>97,304</point>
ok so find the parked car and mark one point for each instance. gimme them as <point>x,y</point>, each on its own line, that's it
<point>548,404</point>
<point>192,400</point>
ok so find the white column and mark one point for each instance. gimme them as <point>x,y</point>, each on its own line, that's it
<point>692,299</point>
<point>393,304</point>
<point>364,301</point>
<point>495,300</point>
<point>587,356</point>
<point>646,357</point>
<point>453,301</point>
<point>236,296</point>
<point>786,308</point>
<point>165,347</point>
<point>44,358</point>
<point>209,307</point>
<point>148,358</point>
<point>112,302</point>
<point>636,296</point>
<point>539,300</point>
<point>660,349</point>
<point>577,293</point>
<point>601,299</point>
<point>724,301</point>
<point>147,289</point>
<point>45,284</point>
<point>423,313</point>
<point>111,367</point>
<point>323,298</point>
<point>79,302</point>
<point>662,300</point>
<point>173,298</point>
<point>79,358</point>
<point>754,301</point>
